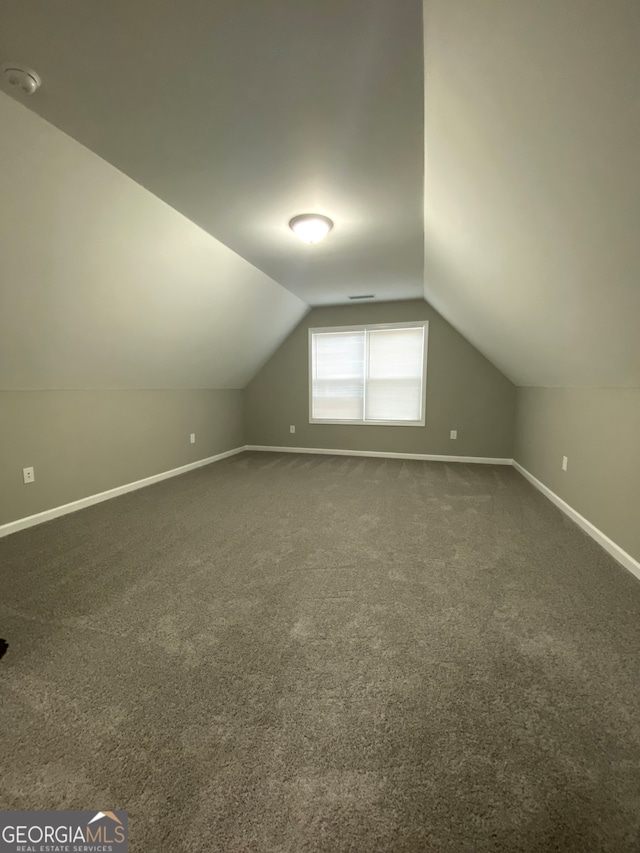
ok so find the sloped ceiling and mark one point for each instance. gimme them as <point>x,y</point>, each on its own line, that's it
<point>102,285</point>
<point>242,113</point>
<point>532,188</point>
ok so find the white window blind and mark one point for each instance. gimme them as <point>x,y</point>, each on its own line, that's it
<point>368,374</point>
<point>338,375</point>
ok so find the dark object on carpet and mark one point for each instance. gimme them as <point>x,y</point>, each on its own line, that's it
<point>326,654</point>
<point>3,647</point>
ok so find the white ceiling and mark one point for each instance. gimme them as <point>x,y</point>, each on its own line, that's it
<point>104,286</point>
<point>532,191</point>
<point>242,113</point>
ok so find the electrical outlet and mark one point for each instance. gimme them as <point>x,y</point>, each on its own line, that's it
<point>565,462</point>
<point>453,434</point>
<point>192,438</point>
<point>292,428</point>
<point>28,475</point>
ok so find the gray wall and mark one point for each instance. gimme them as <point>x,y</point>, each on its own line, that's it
<point>84,442</point>
<point>599,430</point>
<point>464,392</point>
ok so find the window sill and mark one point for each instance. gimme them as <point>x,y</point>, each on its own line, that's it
<point>370,423</point>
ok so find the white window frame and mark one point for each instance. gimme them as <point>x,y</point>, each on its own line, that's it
<point>372,327</point>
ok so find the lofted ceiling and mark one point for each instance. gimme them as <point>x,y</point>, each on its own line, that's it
<point>104,286</point>
<point>532,189</point>
<point>241,114</point>
<point>520,224</point>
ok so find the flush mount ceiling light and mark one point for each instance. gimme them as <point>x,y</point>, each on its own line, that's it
<point>311,227</point>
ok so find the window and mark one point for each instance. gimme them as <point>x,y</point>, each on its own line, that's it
<point>368,374</point>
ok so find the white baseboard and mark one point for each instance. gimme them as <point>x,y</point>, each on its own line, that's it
<point>428,457</point>
<point>602,539</point>
<point>74,506</point>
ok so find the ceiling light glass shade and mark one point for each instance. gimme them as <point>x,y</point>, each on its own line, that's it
<point>311,227</point>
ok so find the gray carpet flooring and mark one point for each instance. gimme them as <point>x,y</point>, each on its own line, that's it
<point>316,653</point>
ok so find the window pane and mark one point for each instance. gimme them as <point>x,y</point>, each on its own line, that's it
<point>394,378</point>
<point>394,400</point>
<point>338,375</point>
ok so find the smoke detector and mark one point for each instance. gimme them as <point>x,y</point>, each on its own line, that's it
<point>20,78</point>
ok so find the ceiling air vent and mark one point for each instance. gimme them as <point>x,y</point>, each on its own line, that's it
<point>364,296</point>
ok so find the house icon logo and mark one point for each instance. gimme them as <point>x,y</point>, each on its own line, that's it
<point>110,815</point>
